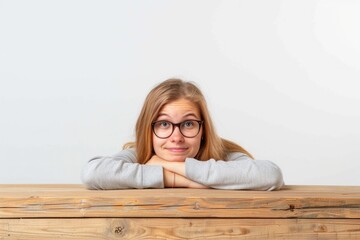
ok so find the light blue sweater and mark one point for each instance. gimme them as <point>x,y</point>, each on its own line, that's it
<point>238,171</point>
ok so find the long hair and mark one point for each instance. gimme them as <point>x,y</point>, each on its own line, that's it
<point>212,146</point>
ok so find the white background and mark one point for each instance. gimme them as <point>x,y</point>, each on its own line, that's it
<point>281,78</point>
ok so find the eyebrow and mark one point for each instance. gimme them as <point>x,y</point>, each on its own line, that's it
<point>186,115</point>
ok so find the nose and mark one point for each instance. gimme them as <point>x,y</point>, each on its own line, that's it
<point>176,136</point>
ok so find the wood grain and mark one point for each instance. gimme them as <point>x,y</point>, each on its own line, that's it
<point>57,201</point>
<point>164,228</point>
<point>73,212</point>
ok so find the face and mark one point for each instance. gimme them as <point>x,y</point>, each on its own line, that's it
<point>177,147</point>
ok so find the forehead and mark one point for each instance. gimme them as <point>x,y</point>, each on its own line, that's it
<point>180,107</point>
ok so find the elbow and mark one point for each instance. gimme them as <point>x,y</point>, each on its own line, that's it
<point>87,181</point>
<point>275,179</point>
<point>88,178</point>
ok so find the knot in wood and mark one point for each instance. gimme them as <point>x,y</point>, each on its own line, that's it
<point>320,228</point>
<point>119,230</point>
<point>291,207</point>
<point>197,206</point>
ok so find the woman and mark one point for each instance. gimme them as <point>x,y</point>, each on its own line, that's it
<point>177,146</point>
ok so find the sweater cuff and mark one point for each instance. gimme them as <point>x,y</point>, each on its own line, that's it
<point>153,177</point>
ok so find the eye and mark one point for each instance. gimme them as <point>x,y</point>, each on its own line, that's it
<point>188,124</point>
<point>163,124</point>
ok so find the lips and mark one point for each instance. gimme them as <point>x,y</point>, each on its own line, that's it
<point>177,149</point>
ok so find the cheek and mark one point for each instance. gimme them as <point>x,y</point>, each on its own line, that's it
<point>195,146</point>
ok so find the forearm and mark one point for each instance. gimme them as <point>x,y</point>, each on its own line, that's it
<point>110,173</point>
<point>174,173</point>
<point>172,179</point>
<point>240,174</point>
<point>176,167</point>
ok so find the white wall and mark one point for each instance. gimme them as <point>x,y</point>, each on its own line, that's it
<point>281,78</point>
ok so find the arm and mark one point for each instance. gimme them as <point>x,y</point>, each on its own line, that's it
<point>174,173</point>
<point>121,171</point>
<point>172,179</point>
<point>238,172</point>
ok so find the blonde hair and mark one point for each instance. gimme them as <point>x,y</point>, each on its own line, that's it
<point>212,146</point>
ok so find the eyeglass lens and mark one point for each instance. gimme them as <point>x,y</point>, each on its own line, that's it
<point>188,128</point>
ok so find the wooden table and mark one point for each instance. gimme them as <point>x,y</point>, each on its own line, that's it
<point>72,212</point>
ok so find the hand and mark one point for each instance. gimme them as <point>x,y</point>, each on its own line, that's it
<point>171,168</point>
<point>176,167</point>
<point>155,160</point>
<point>172,179</point>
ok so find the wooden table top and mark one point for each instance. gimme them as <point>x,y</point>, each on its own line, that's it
<point>73,200</point>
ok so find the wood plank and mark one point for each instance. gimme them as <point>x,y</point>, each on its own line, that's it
<point>37,201</point>
<point>165,228</point>
<point>58,189</point>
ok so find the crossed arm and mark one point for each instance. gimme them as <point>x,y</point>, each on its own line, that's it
<point>174,173</point>
<point>122,171</point>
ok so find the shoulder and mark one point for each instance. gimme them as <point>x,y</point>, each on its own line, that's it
<point>129,153</point>
<point>236,156</point>
<point>125,155</point>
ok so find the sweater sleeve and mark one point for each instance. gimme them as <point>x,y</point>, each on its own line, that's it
<point>238,172</point>
<point>121,171</point>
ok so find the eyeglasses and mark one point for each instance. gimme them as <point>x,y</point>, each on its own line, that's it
<point>188,128</point>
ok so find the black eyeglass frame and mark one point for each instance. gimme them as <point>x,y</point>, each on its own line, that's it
<point>174,125</point>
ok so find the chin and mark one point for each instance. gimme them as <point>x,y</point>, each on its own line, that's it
<point>176,158</point>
